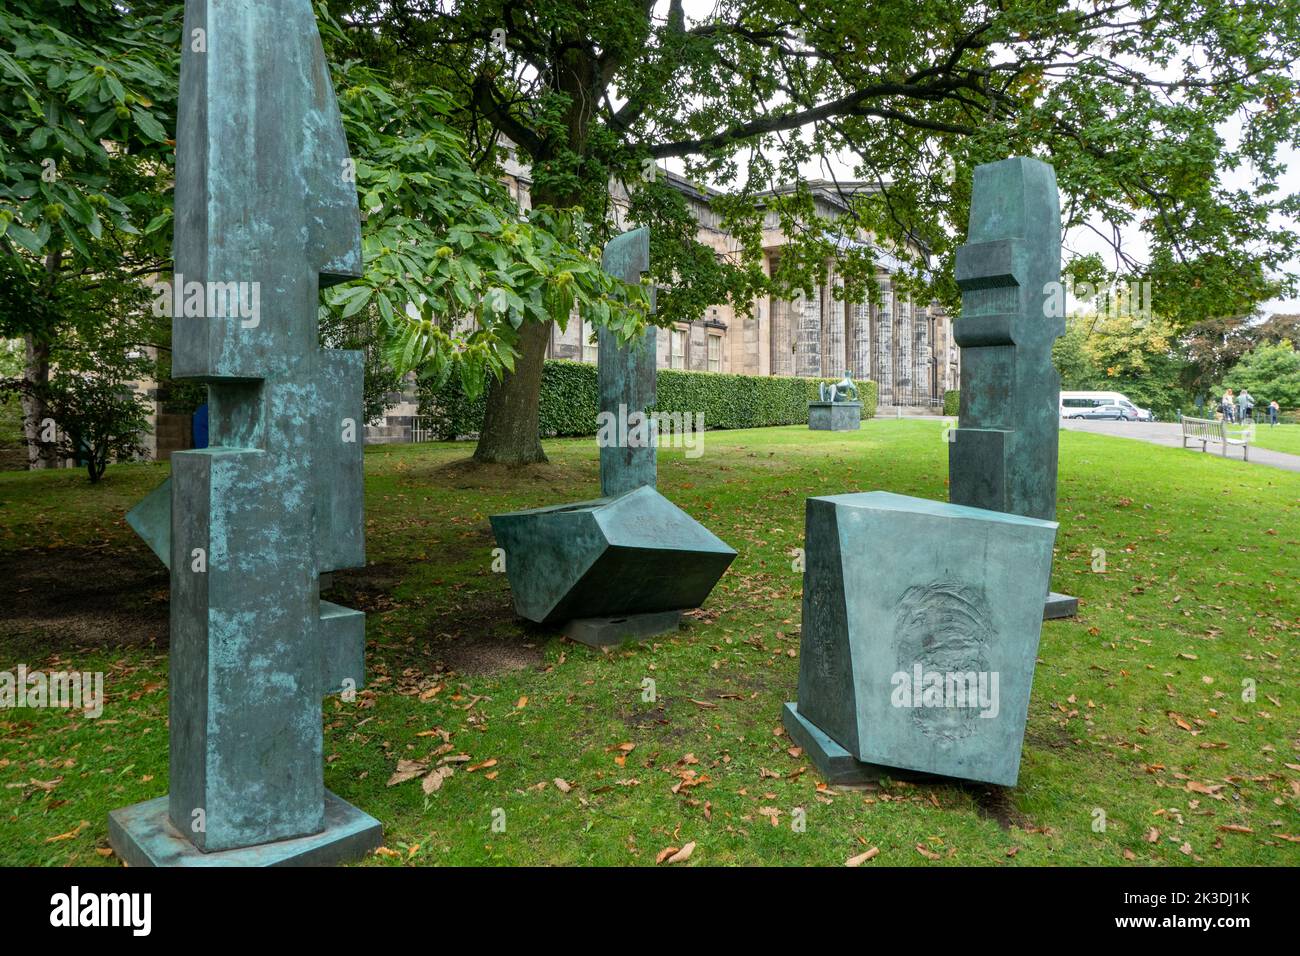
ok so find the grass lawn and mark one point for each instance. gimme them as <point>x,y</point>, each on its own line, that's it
<point>1137,710</point>
<point>1278,437</point>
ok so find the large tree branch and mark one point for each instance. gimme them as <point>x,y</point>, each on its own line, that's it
<point>854,104</point>
<point>484,97</point>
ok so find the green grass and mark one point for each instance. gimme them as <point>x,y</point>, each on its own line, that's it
<point>11,423</point>
<point>1133,701</point>
<point>1284,438</point>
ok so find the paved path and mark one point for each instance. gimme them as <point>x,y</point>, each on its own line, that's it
<point>1170,434</point>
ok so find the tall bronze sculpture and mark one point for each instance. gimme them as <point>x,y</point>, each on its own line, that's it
<point>1004,455</point>
<point>247,526</point>
<point>625,375</point>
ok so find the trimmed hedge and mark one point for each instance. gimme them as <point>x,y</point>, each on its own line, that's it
<point>570,399</point>
<point>952,402</point>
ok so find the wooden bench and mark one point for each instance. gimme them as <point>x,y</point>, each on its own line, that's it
<point>1206,430</point>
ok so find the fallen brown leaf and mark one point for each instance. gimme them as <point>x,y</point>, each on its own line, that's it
<point>863,857</point>
<point>684,854</point>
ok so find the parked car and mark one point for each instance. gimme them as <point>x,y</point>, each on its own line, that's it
<point>1074,404</point>
<point>1118,413</point>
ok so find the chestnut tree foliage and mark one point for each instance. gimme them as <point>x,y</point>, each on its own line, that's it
<point>453,270</point>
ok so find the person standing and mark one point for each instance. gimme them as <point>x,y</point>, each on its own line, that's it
<point>1246,405</point>
<point>1229,405</point>
<point>1273,409</point>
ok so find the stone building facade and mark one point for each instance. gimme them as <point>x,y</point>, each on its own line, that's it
<point>905,347</point>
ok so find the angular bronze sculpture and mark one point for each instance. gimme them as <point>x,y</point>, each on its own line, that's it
<point>920,630</point>
<point>249,524</point>
<point>627,564</point>
<point>1004,454</point>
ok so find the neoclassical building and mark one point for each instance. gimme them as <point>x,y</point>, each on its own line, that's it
<point>905,347</point>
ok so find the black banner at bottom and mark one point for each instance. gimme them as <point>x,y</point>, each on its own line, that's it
<point>336,905</point>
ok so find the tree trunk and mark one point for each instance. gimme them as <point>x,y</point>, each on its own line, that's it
<point>510,423</point>
<point>36,373</point>
<point>510,432</point>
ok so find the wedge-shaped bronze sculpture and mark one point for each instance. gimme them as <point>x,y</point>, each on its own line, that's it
<point>635,553</point>
<point>920,629</point>
<point>627,564</point>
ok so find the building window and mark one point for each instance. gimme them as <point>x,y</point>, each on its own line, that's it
<point>715,353</point>
<point>677,356</point>
<point>590,348</point>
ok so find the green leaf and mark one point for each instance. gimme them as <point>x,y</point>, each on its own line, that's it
<point>148,124</point>
<point>358,301</point>
<point>25,238</point>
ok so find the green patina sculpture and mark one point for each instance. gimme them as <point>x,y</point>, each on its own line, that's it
<point>838,408</point>
<point>626,377</point>
<point>265,200</point>
<point>842,391</point>
<point>920,630</point>
<point>623,565</point>
<point>1004,455</point>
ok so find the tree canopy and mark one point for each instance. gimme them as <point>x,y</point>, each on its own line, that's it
<point>1142,106</point>
<point>1271,373</point>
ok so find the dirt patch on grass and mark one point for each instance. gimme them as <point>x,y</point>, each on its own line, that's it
<point>995,803</point>
<point>468,474</point>
<point>1047,735</point>
<point>368,589</point>
<point>83,597</point>
<point>489,654</point>
<point>640,719</point>
<point>479,634</point>
<point>88,597</point>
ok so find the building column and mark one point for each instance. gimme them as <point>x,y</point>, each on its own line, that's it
<point>808,353</point>
<point>858,324</point>
<point>782,337</point>
<point>883,343</point>
<point>834,354</point>
<point>921,356</point>
<point>903,385</point>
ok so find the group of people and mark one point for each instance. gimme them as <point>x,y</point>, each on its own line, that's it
<point>1241,408</point>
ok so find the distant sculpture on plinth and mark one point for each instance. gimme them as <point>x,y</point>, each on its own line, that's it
<point>266,209</point>
<point>838,408</point>
<point>627,564</point>
<point>1003,457</point>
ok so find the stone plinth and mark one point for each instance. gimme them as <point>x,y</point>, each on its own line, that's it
<point>834,416</point>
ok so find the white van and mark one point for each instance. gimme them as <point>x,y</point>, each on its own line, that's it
<point>1077,403</point>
